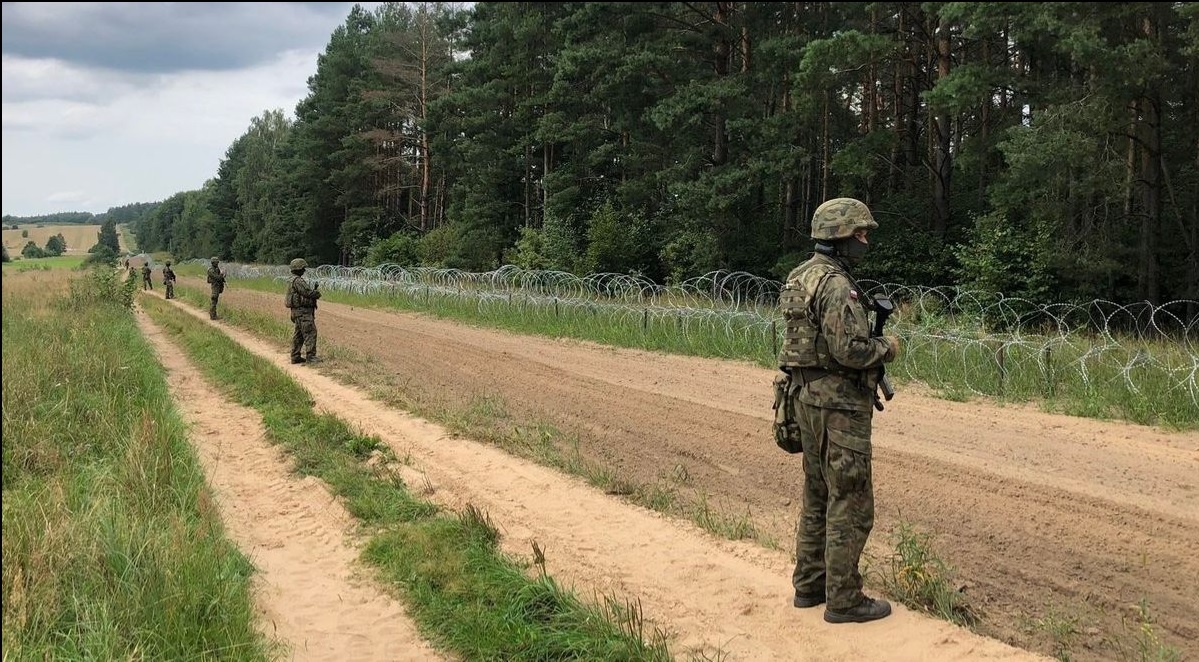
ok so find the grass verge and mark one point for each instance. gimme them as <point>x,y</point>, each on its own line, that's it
<point>465,594</point>
<point>112,546</point>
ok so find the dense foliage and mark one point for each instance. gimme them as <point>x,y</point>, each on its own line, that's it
<point>1045,150</point>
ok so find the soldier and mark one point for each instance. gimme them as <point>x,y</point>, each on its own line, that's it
<point>147,284</point>
<point>216,278</point>
<point>829,349</point>
<point>168,279</point>
<point>301,300</point>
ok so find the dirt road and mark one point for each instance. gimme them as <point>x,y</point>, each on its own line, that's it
<point>1040,514</point>
<point>308,590</point>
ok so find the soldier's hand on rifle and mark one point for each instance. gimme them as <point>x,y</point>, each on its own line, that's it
<point>892,348</point>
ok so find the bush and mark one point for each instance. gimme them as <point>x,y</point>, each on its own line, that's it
<point>402,248</point>
<point>32,251</point>
<point>101,254</point>
<point>103,284</point>
<point>56,245</point>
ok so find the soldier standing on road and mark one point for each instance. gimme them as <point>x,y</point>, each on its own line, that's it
<point>216,279</point>
<point>301,300</point>
<point>829,348</point>
<point>168,279</point>
<point>147,284</point>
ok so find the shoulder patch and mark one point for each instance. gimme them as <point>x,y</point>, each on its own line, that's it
<point>853,295</point>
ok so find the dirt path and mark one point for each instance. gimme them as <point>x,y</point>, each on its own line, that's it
<point>712,595</point>
<point>292,529</point>
<point>1039,513</point>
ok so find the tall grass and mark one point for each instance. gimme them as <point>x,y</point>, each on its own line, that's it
<point>112,547</point>
<point>464,592</point>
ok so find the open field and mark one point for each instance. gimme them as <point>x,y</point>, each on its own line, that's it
<point>45,263</point>
<point>1059,528</point>
<point>79,237</point>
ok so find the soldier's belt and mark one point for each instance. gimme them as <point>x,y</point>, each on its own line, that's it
<point>810,375</point>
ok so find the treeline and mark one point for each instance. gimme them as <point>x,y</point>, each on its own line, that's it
<point>1045,150</point>
<point>130,213</point>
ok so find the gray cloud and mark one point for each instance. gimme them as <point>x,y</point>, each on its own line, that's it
<point>163,37</point>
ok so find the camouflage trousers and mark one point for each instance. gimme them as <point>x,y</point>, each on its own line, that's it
<point>303,339</point>
<point>170,285</point>
<point>838,504</point>
<point>147,284</point>
<point>216,295</point>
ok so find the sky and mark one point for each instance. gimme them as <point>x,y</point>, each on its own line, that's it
<point>112,103</point>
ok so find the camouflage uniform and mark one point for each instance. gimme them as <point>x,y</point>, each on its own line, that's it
<point>829,349</point>
<point>147,284</point>
<point>301,300</point>
<point>216,279</point>
<point>168,280</point>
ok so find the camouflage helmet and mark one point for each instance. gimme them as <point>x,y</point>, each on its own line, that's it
<point>216,259</point>
<point>840,218</point>
<point>298,264</point>
<point>168,263</point>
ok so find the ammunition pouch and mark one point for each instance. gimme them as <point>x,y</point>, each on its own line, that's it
<point>787,432</point>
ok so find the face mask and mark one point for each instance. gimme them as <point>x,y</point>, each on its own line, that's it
<point>852,249</point>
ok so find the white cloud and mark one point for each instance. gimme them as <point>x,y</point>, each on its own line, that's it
<point>83,135</point>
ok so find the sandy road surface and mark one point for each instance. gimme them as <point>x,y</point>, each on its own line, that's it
<point>307,588</point>
<point>1038,512</point>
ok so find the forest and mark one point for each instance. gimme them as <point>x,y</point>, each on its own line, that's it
<point>123,214</point>
<point>1041,150</point>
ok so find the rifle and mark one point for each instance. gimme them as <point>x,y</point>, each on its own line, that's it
<point>882,310</point>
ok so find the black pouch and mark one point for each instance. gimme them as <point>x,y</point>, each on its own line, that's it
<point>786,425</point>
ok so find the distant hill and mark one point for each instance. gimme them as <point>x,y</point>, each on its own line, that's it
<point>124,214</point>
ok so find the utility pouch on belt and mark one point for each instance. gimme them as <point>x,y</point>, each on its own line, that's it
<point>786,424</point>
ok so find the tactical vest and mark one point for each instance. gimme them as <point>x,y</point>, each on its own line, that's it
<point>803,344</point>
<point>291,300</point>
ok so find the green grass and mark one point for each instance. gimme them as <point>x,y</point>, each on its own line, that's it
<point>112,546</point>
<point>465,594</point>
<point>916,576</point>
<point>44,263</point>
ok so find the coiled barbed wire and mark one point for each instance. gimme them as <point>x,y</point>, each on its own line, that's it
<point>995,343</point>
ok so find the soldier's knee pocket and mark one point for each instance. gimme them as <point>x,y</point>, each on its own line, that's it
<point>849,452</point>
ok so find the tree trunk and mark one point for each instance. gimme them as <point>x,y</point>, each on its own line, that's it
<point>941,157</point>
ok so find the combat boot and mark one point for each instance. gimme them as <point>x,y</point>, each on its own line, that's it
<point>869,609</point>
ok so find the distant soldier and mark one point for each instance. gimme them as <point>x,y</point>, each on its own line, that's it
<point>301,300</point>
<point>147,284</point>
<point>216,279</point>
<point>168,279</point>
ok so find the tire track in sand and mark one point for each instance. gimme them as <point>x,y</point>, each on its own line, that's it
<point>308,590</point>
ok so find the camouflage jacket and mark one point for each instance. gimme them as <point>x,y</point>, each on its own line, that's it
<point>168,274</point>
<point>146,271</point>
<point>216,278</point>
<point>847,355</point>
<point>301,295</point>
